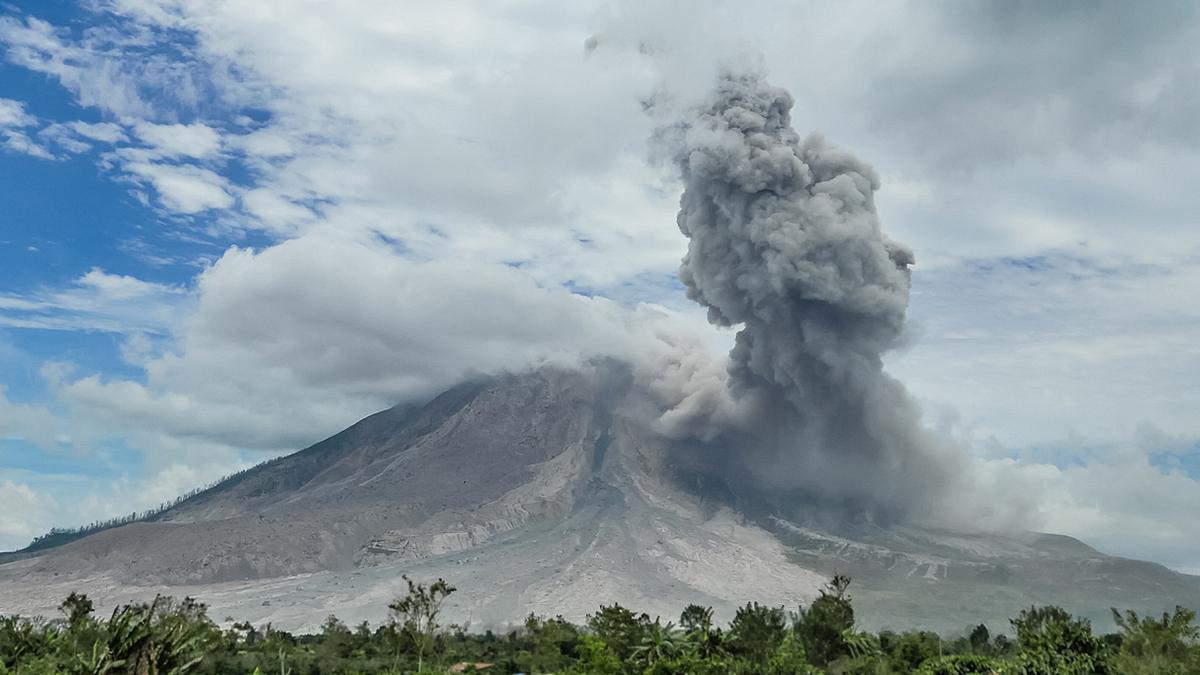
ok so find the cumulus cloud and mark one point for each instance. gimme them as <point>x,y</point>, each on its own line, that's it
<point>980,72</point>
<point>493,143</point>
<point>184,188</point>
<point>1118,500</point>
<point>276,212</point>
<point>26,422</point>
<point>27,514</point>
<point>180,140</point>
<point>294,342</point>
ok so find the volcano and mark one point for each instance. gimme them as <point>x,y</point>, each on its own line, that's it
<point>549,492</point>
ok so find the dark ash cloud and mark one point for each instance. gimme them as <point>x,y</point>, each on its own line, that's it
<point>784,241</point>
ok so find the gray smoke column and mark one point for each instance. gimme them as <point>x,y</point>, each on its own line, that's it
<point>784,241</point>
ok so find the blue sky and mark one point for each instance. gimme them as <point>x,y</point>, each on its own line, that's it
<point>231,229</point>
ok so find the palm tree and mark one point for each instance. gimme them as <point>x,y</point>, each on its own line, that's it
<point>701,638</point>
<point>661,642</point>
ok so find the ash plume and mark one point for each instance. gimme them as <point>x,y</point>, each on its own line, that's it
<point>784,241</point>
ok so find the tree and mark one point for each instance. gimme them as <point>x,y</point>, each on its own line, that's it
<point>23,640</point>
<point>78,610</point>
<point>1002,645</point>
<point>554,643</point>
<point>822,627</point>
<point>1166,645</point>
<point>417,613</point>
<point>980,640</point>
<point>335,637</point>
<point>700,637</point>
<point>790,659</point>
<point>696,617</point>
<point>619,628</point>
<point>659,643</point>
<point>82,634</point>
<point>756,632</point>
<point>596,657</point>
<point>1052,642</point>
<point>164,637</point>
<point>914,648</point>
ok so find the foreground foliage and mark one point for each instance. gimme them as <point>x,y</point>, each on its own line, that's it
<point>168,637</point>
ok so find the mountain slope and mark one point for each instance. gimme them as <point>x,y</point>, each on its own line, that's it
<point>547,492</point>
<point>319,508</point>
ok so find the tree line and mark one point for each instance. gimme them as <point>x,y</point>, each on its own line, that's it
<point>57,536</point>
<point>169,637</point>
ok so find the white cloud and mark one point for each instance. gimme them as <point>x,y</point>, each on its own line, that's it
<point>95,79</point>
<point>97,301</point>
<point>108,69</point>
<point>266,143</point>
<point>77,137</point>
<point>12,114</point>
<point>1117,501</point>
<point>277,213</point>
<point>15,141</point>
<point>491,138</point>
<point>495,122</point>
<point>62,136</point>
<point>297,341</point>
<point>26,422</point>
<point>1030,350</point>
<point>26,514</point>
<point>12,119</point>
<point>184,188</point>
<point>180,140</point>
<point>104,132</point>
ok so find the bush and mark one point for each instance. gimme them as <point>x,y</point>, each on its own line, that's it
<point>963,664</point>
<point>1052,642</point>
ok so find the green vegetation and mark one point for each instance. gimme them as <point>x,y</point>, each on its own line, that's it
<point>166,637</point>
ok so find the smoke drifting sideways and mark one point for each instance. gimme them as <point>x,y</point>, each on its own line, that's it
<point>784,241</point>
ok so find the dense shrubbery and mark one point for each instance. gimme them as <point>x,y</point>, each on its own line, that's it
<point>166,637</point>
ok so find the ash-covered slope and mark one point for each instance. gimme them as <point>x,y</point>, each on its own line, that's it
<point>483,451</point>
<point>908,576</point>
<point>547,492</point>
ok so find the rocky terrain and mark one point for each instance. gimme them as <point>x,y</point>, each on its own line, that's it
<point>546,492</point>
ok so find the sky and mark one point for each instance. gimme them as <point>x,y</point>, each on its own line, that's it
<point>231,229</point>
